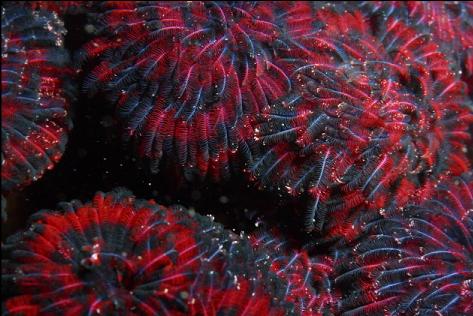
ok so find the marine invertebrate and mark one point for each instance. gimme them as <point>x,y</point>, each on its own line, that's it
<point>60,7</point>
<point>449,23</point>
<point>308,277</point>
<point>415,261</point>
<point>35,118</point>
<point>183,75</point>
<point>122,256</point>
<point>375,109</point>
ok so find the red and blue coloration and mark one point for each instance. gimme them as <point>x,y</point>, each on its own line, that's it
<point>374,109</point>
<point>414,261</point>
<point>121,256</point>
<point>183,76</point>
<point>450,24</point>
<point>35,118</point>
<point>61,8</point>
<point>308,278</point>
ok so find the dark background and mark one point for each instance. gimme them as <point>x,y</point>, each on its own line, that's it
<point>97,159</point>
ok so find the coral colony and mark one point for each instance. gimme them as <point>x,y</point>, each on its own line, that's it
<point>360,112</point>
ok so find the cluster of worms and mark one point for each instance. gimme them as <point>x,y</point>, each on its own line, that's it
<point>363,111</point>
<point>189,78</point>
<point>376,111</point>
<point>417,260</point>
<point>121,256</point>
<point>307,277</point>
<point>35,104</point>
<point>449,22</point>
